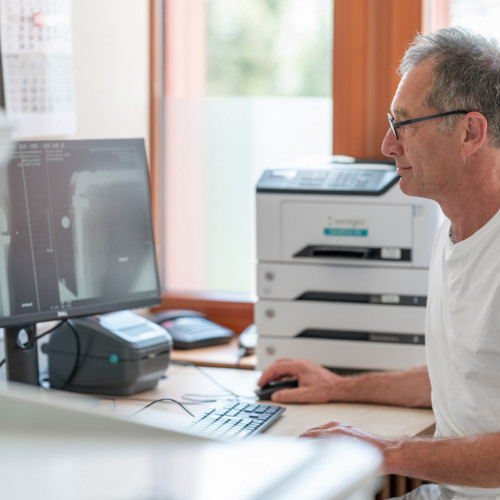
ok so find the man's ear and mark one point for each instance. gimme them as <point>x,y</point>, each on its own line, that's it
<point>475,128</point>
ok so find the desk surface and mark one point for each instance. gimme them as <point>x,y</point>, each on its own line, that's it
<point>223,356</point>
<point>188,382</point>
<point>74,453</point>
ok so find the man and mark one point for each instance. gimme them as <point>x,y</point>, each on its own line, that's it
<point>444,136</point>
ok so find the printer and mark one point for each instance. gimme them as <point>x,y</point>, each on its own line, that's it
<point>118,353</point>
<point>343,258</point>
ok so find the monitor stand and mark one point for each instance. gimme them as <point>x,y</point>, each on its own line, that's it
<point>21,354</point>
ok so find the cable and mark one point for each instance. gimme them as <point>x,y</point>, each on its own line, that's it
<point>54,328</point>
<point>206,398</point>
<point>187,363</point>
<point>36,339</point>
<point>161,401</point>
<point>77,355</point>
<point>210,398</point>
<point>191,398</point>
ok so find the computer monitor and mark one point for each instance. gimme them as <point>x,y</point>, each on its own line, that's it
<point>76,238</point>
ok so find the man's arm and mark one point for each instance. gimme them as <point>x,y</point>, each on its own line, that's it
<point>409,388</point>
<point>468,461</point>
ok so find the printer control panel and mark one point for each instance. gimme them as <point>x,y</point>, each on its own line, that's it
<point>359,179</point>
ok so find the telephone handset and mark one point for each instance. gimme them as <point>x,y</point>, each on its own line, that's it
<point>192,329</point>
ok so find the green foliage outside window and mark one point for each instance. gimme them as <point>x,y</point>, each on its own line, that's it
<point>269,47</point>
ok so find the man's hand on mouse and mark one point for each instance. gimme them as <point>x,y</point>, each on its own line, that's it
<point>316,384</point>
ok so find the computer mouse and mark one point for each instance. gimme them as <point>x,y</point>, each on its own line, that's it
<point>265,392</point>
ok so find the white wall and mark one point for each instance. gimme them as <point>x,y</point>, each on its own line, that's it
<point>111,68</point>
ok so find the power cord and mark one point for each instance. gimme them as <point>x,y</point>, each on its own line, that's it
<point>77,356</point>
<point>74,369</point>
<point>51,330</point>
<point>162,400</point>
<point>195,398</point>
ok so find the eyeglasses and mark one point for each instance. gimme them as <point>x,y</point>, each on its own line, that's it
<point>396,125</point>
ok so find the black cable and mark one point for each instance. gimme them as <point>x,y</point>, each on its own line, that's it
<point>54,328</point>
<point>146,400</point>
<point>36,339</point>
<point>160,401</point>
<point>77,355</point>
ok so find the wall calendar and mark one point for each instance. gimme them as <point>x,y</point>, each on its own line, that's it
<point>36,51</point>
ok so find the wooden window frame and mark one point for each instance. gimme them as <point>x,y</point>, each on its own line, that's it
<point>370,37</point>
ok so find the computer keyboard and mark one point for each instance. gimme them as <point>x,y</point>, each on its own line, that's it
<point>232,419</point>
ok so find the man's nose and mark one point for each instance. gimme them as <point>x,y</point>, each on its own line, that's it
<point>391,147</point>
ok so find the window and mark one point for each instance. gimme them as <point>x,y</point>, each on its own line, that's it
<point>480,16</point>
<point>368,40</point>
<point>260,95</point>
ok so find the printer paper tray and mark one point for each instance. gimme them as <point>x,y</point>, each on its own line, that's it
<point>341,354</point>
<point>289,318</point>
<point>290,281</point>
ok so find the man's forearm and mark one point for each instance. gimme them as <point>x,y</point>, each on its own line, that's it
<point>410,388</point>
<point>469,461</point>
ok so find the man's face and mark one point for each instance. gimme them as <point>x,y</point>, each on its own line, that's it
<point>425,157</point>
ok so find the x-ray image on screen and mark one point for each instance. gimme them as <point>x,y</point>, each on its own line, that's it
<point>76,232</point>
<point>109,258</point>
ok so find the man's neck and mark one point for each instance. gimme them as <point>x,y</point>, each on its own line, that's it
<point>478,202</point>
<point>472,215</point>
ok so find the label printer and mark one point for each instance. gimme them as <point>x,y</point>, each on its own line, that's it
<point>343,258</point>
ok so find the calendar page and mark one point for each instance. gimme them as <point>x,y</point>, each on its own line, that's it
<point>37,70</point>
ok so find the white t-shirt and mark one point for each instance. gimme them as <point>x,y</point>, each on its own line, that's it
<point>463,338</point>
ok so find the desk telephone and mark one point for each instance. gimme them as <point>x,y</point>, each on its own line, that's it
<point>192,329</point>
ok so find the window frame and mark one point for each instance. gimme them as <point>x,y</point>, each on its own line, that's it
<point>369,39</point>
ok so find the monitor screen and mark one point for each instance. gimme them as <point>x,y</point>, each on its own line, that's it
<point>76,234</point>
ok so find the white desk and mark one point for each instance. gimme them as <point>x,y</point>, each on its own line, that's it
<point>54,449</point>
<point>381,420</point>
<point>188,380</point>
<point>111,456</point>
